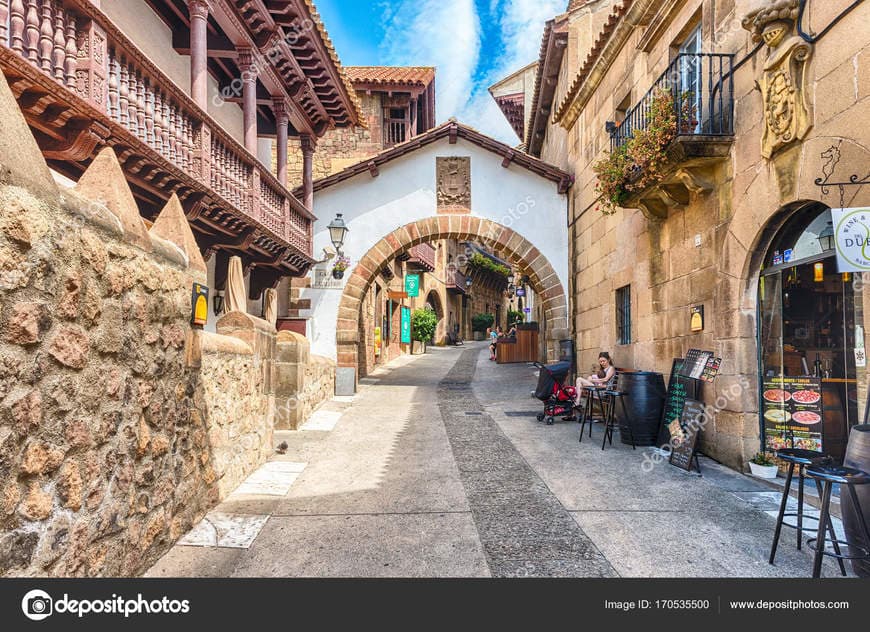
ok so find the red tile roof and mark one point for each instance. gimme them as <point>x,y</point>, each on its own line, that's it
<point>391,75</point>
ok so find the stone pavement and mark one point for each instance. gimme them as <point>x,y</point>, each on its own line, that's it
<point>438,468</point>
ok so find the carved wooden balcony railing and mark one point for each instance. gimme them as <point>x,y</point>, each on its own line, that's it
<point>81,83</point>
<point>422,256</point>
<point>456,282</point>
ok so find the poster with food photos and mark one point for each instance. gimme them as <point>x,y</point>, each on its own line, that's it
<point>792,410</point>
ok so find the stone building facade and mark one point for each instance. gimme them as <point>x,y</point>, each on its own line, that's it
<point>736,192</point>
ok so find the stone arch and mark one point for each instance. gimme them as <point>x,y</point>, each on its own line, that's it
<point>502,240</point>
<point>433,298</point>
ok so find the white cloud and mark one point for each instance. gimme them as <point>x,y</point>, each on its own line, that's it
<point>442,33</point>
<point>447,34</point>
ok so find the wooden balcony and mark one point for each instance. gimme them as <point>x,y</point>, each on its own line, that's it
<point>456,282</point>
<point>82,84</point>
<point>422,256</point>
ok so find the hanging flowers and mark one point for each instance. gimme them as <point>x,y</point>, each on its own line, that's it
<point>341,264</point>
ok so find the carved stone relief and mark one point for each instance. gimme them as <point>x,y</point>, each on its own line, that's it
<point>453,180</point>
<point>783,84</point>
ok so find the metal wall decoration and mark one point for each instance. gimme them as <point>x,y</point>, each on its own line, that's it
<point>830,160</point>
<point>453,183</point>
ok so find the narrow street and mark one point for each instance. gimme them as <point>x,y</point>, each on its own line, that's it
<point>438,468</point>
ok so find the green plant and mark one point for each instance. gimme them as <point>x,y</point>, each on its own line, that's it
<point>423,324</point>
<point>641,161</point>
<point>481,262</point>
<point>764,458</point>
<point>341,264</point>
<point>482,322</point>
<point>514,318</point>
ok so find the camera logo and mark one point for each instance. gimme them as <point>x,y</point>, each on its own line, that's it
<point>37,605</point>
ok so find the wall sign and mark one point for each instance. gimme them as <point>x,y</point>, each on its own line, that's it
<point>793,415</point>
<point>199,305</point>
<point>697,321</point>
<point>852,237</point>
<point>406,326</point>
<point>412,285</point>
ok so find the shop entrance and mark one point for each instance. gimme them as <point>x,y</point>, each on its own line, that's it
<point>807,339</point>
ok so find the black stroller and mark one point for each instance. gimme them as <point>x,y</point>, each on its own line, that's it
<point>558,399</point>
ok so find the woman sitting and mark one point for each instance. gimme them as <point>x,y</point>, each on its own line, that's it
<point>605,374</point>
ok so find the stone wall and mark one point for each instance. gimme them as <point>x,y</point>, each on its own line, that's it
<point>116,421</point>
<point>342,147</point>
<point>303,381</point>
<point>706,251</point>
<point>237,408</point>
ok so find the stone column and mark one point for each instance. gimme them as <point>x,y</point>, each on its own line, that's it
<point>308,145</point>
<point>199,52</point>
<point>249,98</point>
<point>282,122</point>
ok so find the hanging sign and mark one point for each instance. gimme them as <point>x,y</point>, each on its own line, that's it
<point>521,291</point>
<point>199,305</point>
<point>394,295</point>
<point>412,285</point>
<point>406,326</point>
<point>852,238</point>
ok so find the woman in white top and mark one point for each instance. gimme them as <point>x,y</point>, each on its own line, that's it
<point>606,371</point>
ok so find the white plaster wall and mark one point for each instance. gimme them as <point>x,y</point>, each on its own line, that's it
<point>404,192</point>
<point>151,35</point>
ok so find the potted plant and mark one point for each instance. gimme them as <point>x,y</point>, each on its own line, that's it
<point>423,324</point>
<point>763,465</point>
<point>339,267</point>
<point>480,323</point>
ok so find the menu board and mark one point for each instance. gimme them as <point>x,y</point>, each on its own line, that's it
<point>684,436</point>
<point>792,409</point>
<point>679,388</point>
<point>695,363</point>
<point>711,370</point>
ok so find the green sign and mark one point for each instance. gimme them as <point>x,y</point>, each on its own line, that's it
<point>412,285</point>
<point>406,326</point>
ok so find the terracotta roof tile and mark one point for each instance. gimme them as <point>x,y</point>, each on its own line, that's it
<point>391,75</point>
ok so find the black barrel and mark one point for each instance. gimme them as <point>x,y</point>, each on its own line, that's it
<point>857,456</point>
<point>644,400</point>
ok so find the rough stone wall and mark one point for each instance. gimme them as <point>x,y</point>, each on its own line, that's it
<point>237,409</point>
<point>342,147</point>
<point>667,272</point>
<point>303,381</point>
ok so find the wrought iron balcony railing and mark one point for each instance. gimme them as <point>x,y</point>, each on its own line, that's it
<point>82,83</point>
<point>701,87</point>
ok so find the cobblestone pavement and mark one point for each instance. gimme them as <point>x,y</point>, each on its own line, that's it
<point>438,468</point>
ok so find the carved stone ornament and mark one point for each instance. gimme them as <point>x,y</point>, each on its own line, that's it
<point>454,183</point>
<point>783,84</point>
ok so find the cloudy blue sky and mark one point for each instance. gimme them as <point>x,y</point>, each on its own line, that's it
<point>473,44</point>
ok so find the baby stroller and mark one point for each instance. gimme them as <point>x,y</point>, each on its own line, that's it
<point>558,399</point>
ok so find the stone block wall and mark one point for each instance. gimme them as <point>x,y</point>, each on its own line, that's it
<point>302,381</point>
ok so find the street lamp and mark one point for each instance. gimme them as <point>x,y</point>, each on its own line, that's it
<point>826,238</point>
<point>511,278</point>
<point>468,282</point>
<point>337,232</point>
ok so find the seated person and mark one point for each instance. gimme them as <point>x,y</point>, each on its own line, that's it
<point>605,373</point>
<point>512,332</point>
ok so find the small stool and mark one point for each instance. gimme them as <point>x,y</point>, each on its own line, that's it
<point>594,392</point>
<point>847,477</point>
<point>610,421</point>
<point>801,459</point>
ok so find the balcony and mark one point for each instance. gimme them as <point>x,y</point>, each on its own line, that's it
<point>422,256</point>
<point>700,88</point>
<point>456,282</point>
<point>82,84</point>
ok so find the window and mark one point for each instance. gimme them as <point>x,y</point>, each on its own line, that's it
<point>623,315</point>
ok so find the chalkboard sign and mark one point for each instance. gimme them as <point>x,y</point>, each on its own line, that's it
<point>684,439</point>
<point>680,388</point>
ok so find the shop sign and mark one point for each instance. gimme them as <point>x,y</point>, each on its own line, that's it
<point>792,410</point>
<point>199,305</point>
<point>788,255</point>
<point>684,436</point>
<point>521,291</point>
<point>697,318</point>
<point>527,310</point>
<point>406,326</point>
<point>860,358</point>
<point>852,236</point>
<point>412,285</point>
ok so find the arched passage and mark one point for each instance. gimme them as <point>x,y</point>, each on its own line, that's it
<point>433,300</point>
<point>502,240</point>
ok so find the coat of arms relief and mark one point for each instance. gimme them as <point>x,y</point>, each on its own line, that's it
<point>783,84</point>
<point>453,181</point>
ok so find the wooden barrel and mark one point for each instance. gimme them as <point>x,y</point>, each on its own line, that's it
<point>644,399</point>
<point>857,456</point>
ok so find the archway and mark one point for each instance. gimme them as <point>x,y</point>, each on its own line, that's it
<point>505,242</point>
<point>433,300</point>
